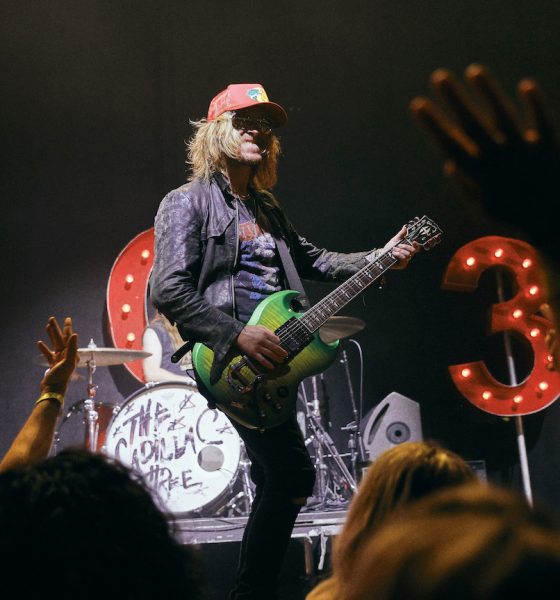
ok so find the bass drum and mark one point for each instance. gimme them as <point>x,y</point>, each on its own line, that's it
<point>188,453</point>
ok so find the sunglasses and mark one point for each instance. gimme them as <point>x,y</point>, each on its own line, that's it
<point>251,123</point>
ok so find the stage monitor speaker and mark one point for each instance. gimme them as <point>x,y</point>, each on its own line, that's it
<point>396,419</point>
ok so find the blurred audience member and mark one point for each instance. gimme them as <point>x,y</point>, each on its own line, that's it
<point>404,473</point>
<point>506,160</point>
<point>80,525</point>
<point>35,438</point>
<point>472,542</point>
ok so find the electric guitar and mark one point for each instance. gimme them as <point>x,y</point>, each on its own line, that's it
<point>261,399</point>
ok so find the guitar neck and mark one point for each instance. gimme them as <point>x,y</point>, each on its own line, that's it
<point>319,314</point>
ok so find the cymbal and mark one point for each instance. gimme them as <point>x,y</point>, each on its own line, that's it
<point>339,327</point>
<point>102,357</point>
<point>105,357</point>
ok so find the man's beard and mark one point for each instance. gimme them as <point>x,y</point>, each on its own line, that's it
<point>252,158</point>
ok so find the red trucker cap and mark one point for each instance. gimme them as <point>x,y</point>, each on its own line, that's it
<point>243,95</point>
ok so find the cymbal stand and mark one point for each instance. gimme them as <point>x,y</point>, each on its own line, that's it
<point>240,504</point>
<point>92,425</point>
<point>355,443</point>
<point>248,486</point>
<point>337,473</point>
<point>320,465</point>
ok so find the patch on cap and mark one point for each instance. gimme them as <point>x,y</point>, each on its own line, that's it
<point>257,94</point>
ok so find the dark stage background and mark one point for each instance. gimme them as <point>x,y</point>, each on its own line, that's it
<point>95,108</point>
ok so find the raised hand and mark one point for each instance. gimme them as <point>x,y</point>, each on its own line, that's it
<point>34,440</point>
<point>62,358</point>
<point>506,159</point>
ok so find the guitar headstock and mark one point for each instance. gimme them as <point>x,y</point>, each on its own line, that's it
<point>424,231</point>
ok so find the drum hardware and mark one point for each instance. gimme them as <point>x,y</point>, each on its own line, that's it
<point>92,417</point>
<point>339,327</point>
<point>92,357</point>
<point>240,504</point>
<point>248,486</point>
<point>104,411</point>
<point>335,483</point>
<point>101,357</point>
<point>355,442</point>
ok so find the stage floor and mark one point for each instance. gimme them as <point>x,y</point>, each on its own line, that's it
<point>217,541</point>
<point>309,524</point>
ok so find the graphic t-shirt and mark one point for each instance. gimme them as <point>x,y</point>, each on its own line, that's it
<point>258,271</point>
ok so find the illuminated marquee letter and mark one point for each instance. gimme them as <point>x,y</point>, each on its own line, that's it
<point>126,296</point>
<point>518,314</point>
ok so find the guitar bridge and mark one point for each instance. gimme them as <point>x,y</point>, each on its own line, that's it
<point>240,382</point>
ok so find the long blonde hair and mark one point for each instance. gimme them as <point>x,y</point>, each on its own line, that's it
<point>173,332</point>
<point>406,472</point>
<point>214,141</point>
<point>176,339</point>
<point>471,542</point>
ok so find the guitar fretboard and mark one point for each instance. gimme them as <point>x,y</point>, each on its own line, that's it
<point>318,315</point>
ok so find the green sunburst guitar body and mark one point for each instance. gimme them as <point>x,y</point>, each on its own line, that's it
<point>261,399</point>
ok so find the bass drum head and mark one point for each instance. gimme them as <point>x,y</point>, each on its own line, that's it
<point>188,453</point>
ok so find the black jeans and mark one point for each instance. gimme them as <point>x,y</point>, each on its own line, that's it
<point>283,473</point>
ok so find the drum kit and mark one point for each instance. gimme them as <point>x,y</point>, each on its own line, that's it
<point>190,455</point>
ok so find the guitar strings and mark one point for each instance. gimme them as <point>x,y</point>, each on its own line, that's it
<point>356,283</point>
<point>362,277</point>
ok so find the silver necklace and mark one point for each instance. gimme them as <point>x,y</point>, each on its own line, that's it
<point>239,196</point>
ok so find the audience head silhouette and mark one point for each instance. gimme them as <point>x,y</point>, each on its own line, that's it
<point>80,525</point>
<point>404,473</point>
<point>470,542</point>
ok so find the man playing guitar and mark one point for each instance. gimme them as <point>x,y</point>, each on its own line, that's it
<point>216,259</point>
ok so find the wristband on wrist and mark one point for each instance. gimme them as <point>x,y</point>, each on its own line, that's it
<point>51,396</point>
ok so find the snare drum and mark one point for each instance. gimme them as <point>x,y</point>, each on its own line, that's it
<point>189,454</point>
<point>74,431</point>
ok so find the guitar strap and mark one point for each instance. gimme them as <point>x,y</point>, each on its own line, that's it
<point>291,273</point>
<point>294,281</point>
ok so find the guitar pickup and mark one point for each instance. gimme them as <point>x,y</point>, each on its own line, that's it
<point>294,336</point>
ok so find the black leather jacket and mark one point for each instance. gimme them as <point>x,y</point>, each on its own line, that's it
<point>196,247</point>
